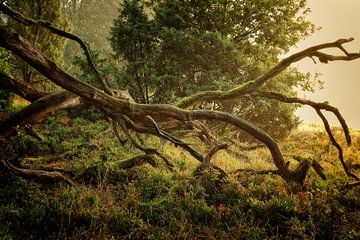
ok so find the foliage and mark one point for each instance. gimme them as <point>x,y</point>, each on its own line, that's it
<point>47,42</point>
<point>5,67</point>
<point>104,65</point>
<point>90,20</point>
<point>153,203</point>
<point>173,49</point>
<point>195,46</point>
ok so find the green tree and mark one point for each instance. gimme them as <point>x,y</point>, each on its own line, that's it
<point>5,67</point>
<point>174,48</point>
<point>91,20</point>
<point>51,44</point>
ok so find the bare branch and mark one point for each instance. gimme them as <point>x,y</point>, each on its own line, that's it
<point>326,58</point>
<point>20,88</point>
<point>335,143</point>
<point>250,86</point>
<point>130,124</point>
<point>160,133</point>
<point>137,161</point>
<point>159,112</point>
<point>39,110</point>
<point>117,132</point>
<point>31,22</point>
<point>149,151</point>
<point>213,151</point>
<point>319,169</point>
<point>316,105</point>
<point>39,174</point>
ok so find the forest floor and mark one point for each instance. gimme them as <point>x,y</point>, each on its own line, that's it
<point>147,202</point>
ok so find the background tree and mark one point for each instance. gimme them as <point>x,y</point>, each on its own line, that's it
<point>91,20</point>
<point>5,67</point>
<point>175,48</point>
<point>49,43</point>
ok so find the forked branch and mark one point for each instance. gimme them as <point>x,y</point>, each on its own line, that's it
<point>316,105</point>
<point>336,144</point>
<point>253,85</point>
<point>20,88</point>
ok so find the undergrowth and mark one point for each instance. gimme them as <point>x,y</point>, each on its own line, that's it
<point>153,203</point>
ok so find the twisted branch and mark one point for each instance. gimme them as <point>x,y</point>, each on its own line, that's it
<point>336,144</point>
<point>164,112</point>
<point>31,22</point>
<point>316,105</point>
<point>250,86</point>
<point>20,88</point>
<point>39,174</point>
<point>148,151</point>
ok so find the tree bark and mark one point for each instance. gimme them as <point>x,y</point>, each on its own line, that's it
<point>20,88</point>
<point>38,111</point>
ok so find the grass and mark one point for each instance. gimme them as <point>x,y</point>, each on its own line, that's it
<point>154,203</point>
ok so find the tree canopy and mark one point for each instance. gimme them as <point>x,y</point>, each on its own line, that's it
<point>172,49</point>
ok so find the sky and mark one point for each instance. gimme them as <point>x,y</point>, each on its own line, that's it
<point>337,19</point>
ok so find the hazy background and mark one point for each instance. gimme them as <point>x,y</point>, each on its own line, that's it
<point>337,19</point>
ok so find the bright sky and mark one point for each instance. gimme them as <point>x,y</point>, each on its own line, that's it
<point>337,19</point>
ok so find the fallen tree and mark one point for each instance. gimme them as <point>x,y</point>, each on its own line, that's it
<point>148,118</point>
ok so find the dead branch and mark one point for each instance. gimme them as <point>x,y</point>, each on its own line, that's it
<point>39,110</point>
<point>115,127</point>
<point>91,145</point>
<point>316,105</point>
<point>301,176</point>
<point>92,175</point>
<point>213,151</point>
<point>304,165</point>
<point>148,151</point>
<point>177,142</point>
<point>336,144</point>
<point>250,86</point>
<point>20,88</point>
<point>164,112</point>
<point>31,22</point>
<point>44,176</point>
<point>115,106</point>
<point>319,169</point>
<point>160,133</point>
<point>137,161</point>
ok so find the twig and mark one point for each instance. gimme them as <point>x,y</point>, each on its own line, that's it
<point>335,143</point>
<point>250,86</point>
<point>213,151</point>
<point>151,151</point>
<point>316,105</point>
<point>42,175</point>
